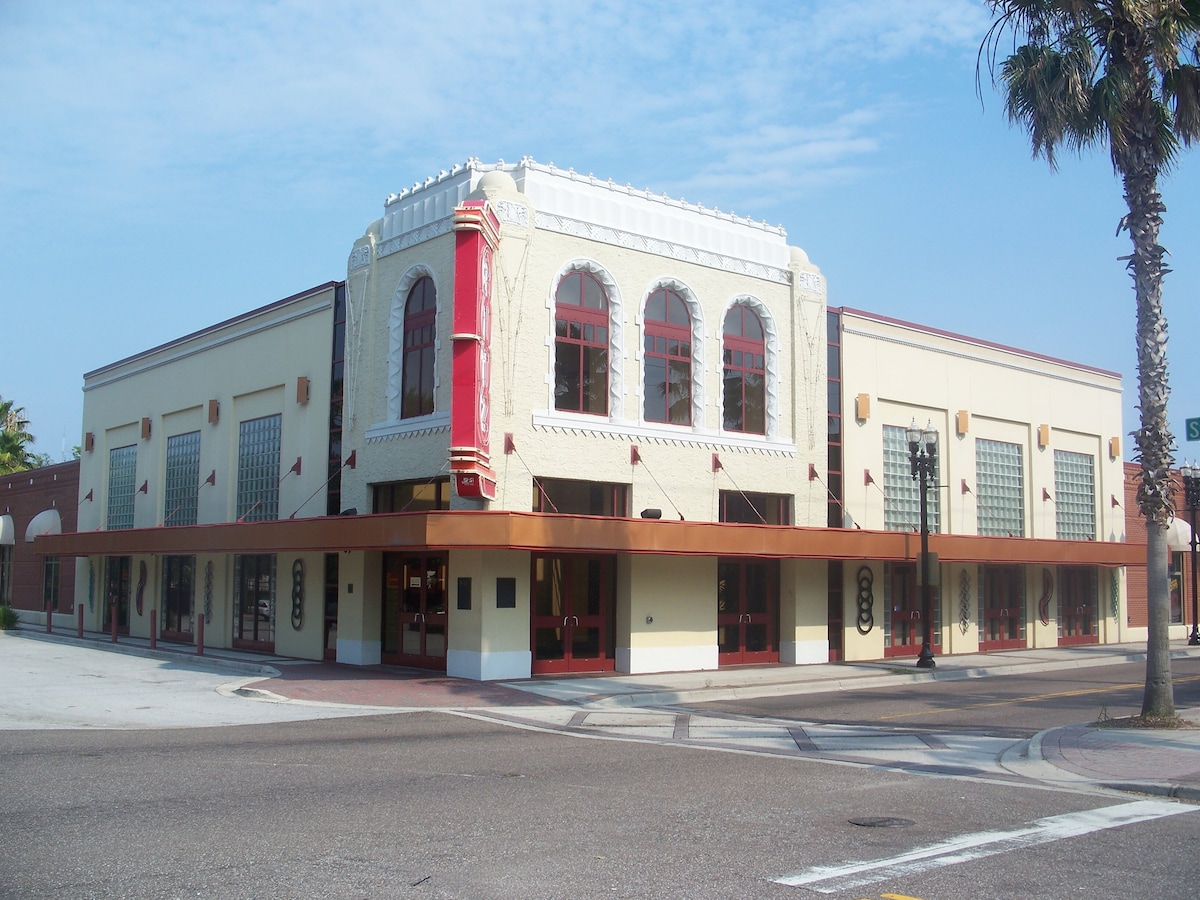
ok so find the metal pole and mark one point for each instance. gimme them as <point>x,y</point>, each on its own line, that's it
<point>925,659</point>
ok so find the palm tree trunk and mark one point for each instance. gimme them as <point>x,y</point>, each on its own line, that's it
<point>1139,166</point>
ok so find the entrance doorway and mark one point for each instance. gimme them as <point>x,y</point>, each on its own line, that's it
<point>177,593</point>
<point>572,612</point>
<point>1002,608</point>
<point>747,611</point>
<point>118,576</point>
<point>414,611</point>
<point>903,605</point>
<point>254,602</point>
<point>1077,606</point>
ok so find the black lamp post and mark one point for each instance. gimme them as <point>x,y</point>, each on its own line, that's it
<point>1191,490</point>
<point>925,471</point>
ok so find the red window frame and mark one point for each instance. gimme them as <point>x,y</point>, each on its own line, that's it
<point>667,366</point>
<point>744,362</point>
<point>420,335</point>
<point>581,345</point>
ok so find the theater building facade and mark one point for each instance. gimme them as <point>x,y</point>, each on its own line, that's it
<point>550,424</point>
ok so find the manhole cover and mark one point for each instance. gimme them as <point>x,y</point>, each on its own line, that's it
<point>881,822</point>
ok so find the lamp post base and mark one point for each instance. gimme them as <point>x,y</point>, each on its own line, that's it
<point>925,659</point>
<point>1194,637</point>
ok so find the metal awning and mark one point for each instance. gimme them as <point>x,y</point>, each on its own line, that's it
<point>48,521</point>
<point>1179,534</point>
<point>8,532</point>
<point>554,533</point>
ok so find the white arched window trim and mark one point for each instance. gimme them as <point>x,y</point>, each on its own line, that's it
<point>395,381</point>
<point>698,355</point>
<point>616,334</point>
<point>771,339</point>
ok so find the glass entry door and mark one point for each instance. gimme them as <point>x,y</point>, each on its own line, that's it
<point>1077,606</point>
<point>414,611</point>
<point>747,611</point>
<point>571,613</point>
<point>1002,617</point>
<point>904,624</point>
<point>254,602</point>
<point>118,576</point>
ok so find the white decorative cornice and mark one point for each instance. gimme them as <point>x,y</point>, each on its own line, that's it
<point>809,281</point>
<point>435,423</point>
<point>659,247</point>
<point>361,256</point>
<point>559,422</point>
<point>511,212</point>
<point>416,236</point>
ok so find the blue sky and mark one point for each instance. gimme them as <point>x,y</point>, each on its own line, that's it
<point>164,166</point>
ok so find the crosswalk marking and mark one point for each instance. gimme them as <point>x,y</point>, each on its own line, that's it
<point>967,847</point>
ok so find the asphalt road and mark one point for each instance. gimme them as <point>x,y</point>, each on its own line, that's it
<point>441,804</point>
<point>437,805</point>
<point>1014,705</point>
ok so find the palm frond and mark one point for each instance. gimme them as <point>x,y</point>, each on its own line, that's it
<point>1181,87</point>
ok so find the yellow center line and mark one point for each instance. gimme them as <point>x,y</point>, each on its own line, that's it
<point>1030,699</point>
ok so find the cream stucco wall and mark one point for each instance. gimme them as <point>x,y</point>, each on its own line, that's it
<point>250,366</point>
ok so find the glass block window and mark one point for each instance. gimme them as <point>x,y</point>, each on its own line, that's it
<point>183,479</point>
<point>1074,496</point>
<point>258,469</point>
<point>1000,488</point>
<point>122,470</point>
<point>902,498</point>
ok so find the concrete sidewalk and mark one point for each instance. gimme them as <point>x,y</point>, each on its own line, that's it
<point>653,707</point>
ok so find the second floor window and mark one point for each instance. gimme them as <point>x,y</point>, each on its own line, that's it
<point>668,359</point>
<point>420,334</point>
<point>122,468</point>
<point>745,372</point>
<point>581,345</point>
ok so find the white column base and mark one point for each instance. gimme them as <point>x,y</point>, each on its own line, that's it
<point>801,653</point>
<point>359,653</point>
<point>494,666</point>
<point>645,660</point>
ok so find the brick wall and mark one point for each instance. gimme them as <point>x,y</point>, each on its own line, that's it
<point>23,495</point>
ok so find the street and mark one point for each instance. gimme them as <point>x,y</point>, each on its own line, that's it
<point>448,804</point>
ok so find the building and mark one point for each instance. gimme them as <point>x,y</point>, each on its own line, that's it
<point>553,424</point>
<point>34,502</point>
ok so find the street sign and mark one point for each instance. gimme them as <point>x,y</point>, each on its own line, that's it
<point>1193,429</point>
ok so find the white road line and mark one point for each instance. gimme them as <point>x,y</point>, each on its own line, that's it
<point>967,847</point>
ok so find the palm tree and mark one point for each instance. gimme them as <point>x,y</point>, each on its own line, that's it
<point>15,455</point>
<point>1121,73</point>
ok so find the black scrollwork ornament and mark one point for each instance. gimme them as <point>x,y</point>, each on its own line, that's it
<point>298,594</point>
<point>866,600</point>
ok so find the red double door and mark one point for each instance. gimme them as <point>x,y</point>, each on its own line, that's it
<point>747,611</point>
<point>572,613</point>
<point>414,611</point>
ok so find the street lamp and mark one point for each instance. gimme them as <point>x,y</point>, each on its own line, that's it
<point>925,471</point>
<point>1191,490</point>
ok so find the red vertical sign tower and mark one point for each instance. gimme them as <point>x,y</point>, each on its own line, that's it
<point>477,235</point>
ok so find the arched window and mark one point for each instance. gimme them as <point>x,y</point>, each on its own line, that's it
<point>581,345</point>
<point>420,333</point>
<point>745,372</point>
<point>668,359</point>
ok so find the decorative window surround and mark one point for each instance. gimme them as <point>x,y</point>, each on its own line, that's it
<point>616,332</point>
<point>677,435</point>
<point>395,382</point>
<point>431,424</point>
<point>771,345</point>
<point>699,369</point>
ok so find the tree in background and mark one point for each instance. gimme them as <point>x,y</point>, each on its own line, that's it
<point>15,455</point>
<point>1121,73</point>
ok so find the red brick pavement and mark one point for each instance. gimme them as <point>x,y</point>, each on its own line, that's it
<point>1154,756</point>
<point>369,686</point>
